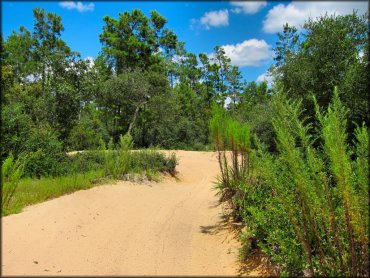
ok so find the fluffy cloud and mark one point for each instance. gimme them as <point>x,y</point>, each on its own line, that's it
<point>296,13</point>
<point>250,7</point>
<point>265,77</point>
<point>212,19</point>
<point>251,52</point>
<point>79,6</point>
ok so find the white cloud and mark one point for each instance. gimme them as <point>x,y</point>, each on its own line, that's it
<point>249,7</point>
<point>90,60</point>
<point>79,6</point>
<point>212,19</point>
<point>251,52</point>
<point>266,77</point>
<point>295,13</point>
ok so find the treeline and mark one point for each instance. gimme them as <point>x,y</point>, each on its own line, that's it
<point>295,166</point>
<point>143,83</point>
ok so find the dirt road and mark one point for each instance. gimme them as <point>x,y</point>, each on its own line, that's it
<point>166,228</point>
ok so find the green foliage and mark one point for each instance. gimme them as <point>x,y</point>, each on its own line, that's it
<point>125,96</point>
<point>361,168</point>
<point>153,161</point>
<point>171,163</point>
<point>15,129</point>
<point>117,162</point>
<point>221,79</point>
<point>302,192</point>
<point>133,39</point>
<point>129,88</point>
<point>231,139</point>
<point>86,134</point>
<point>42,153</point>
<point>83,162</point>
<point>326,53</point>
<point>11,172</point>
<point>306,205</point>
<point>31,191</point>
<point>18,53</point>
<point>174,120</point>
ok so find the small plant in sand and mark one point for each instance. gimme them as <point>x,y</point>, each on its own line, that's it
<point>11,173</point>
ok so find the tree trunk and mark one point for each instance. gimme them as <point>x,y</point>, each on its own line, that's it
<point>134,118</point>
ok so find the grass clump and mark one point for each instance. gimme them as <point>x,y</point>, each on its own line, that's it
<point>117,162</point>
<point>153,162</point>
<point>31,191</point>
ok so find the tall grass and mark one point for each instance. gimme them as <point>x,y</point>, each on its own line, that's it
<point>11,172</point>
<point>31,191</point>
<point>232,141</point>
<point>307,206</point>
<point>150,161</point>
<point>117,162</point>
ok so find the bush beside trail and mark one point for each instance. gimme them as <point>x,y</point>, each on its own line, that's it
<point>305,206</point>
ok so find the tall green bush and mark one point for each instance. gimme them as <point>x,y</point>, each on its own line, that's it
<point>307,205</point>
<point>11,172</point>
<point>319,192</point>
<point>87,133</point>
<point>43,153</point>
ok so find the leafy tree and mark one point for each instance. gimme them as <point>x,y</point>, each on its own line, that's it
<point>206,75</point>
<point>16,127</point>
<point>18,53</point>
<point>49,48</point>
<point>324,55</point>
<point>287,44</point>
<point>234,77</point>
<point>220,70</point>
<point>190,72</point>
<point>133,40</point>
<point>123,97</point>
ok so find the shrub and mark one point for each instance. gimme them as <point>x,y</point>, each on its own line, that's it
<point>117,162</point>
<point>43,153</point>
<point>11,172</point>
<point>306,206</point>
<point>15,129</point>
<point>83,162</point>
<point>86,134</point>
<point>170,165</point>
<point>197,146</point>
<point>147,159</point>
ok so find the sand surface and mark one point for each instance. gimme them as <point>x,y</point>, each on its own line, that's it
<point>173,227</point>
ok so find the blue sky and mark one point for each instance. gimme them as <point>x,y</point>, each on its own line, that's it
<point>247,30</point>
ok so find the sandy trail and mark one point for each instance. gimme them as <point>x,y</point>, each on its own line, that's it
<point>166,228</point>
